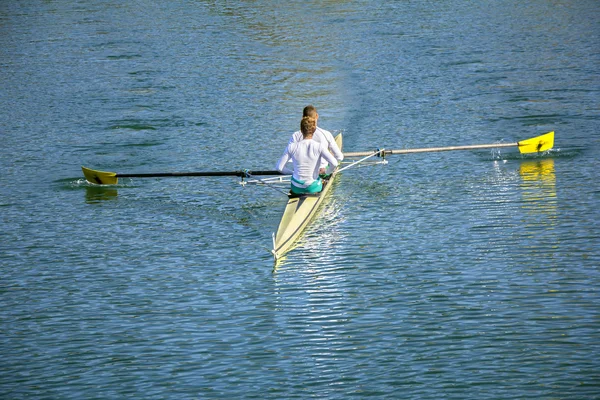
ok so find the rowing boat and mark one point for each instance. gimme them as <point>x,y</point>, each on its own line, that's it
<point>298,212</point>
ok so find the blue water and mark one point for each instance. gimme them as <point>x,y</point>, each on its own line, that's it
<point>457,275</point>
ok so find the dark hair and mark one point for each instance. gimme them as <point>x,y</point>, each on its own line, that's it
<point>309,111</point>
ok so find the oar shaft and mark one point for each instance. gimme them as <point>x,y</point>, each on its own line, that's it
<point>433,149</point>
<point>215,173</point>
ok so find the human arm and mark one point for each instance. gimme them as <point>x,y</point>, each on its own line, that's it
<point>332,144</point>
<point>330,158</point>
<point>281,165</point>
<point>335,149</point>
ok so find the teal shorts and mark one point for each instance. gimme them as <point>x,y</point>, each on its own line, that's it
<point>314,187</point>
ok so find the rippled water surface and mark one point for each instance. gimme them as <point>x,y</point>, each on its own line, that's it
<point>451,275</point>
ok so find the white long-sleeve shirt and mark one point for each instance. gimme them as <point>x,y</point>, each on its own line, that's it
<point>306,156</point>
<point>321,136</point>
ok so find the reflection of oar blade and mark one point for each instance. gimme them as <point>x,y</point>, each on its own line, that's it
<point>533,145</point>
<point>112,178</point>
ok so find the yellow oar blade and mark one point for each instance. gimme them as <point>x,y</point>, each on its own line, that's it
<point>100,177</point>
<point>537,144</point>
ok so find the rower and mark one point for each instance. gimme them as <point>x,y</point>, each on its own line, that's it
<point>307,156</point>
<point>320,135</point>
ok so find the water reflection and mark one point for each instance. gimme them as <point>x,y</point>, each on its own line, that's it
<point>317,243</point>
<point>538,169</point>
<point>539,189</point>
<point>95,194</point>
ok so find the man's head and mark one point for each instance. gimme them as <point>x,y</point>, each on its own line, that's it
<point>308,126</point>
<point>310,111</point>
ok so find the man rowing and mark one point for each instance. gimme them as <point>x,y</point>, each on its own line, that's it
<point>307,156</point>
<point>320,135</point>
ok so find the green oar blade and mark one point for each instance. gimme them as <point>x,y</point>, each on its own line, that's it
<point>537,144</point>
<point>100,177</point>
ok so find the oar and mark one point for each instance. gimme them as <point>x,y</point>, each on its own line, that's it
<point>112,178</point>
<point>533,145</point>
